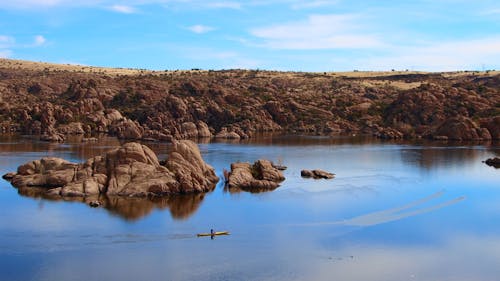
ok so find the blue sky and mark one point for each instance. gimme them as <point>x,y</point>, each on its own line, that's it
<point>316,35</point>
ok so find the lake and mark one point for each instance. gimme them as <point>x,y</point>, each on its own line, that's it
<point>395,211</point>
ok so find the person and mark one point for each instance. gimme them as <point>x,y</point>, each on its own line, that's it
<point>212,234</point>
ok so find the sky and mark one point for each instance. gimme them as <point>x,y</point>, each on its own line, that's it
<point>288,35</point>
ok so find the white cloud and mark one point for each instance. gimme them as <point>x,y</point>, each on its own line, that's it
<point>440,56</point>
<point>199,29</point>
<point>123,9</point>
<point>216,4</point>
<point>33,4</point>
<point>39,40</point>
<point>122,6</point>
<point>318,32</point>
<point>492,12</point>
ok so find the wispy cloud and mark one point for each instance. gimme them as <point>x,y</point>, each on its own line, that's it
<point>39,40</point>
<point>6,43</point>
<point>36,4</point>
<point>312,4</point>
<point>224,5</point>
<point>491,12</point>
<point>123,9</point>
<point>438,56</point>
<point>318,32</point>
<point>199,29</point>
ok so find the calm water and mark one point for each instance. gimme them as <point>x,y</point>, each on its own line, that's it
<point>395,211</point>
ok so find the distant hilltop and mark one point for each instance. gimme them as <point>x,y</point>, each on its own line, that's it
<point>74,67</point>
<point>54,100</point>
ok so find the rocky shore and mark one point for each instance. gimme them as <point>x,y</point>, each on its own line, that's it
<point>237,104</point>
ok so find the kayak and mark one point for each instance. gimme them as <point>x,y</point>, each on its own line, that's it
<point>214,234</point>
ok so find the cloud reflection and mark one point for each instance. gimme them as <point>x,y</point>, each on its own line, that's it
<point>393,214</point>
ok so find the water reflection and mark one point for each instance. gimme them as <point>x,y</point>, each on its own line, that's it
<point>73,145</point>
<point>255,190</point>
<point>411,209</point>
<point>181,207</point>
<point>431,157</point>
<point>380,219</point>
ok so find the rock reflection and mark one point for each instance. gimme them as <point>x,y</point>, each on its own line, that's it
<point>429,157</point>
<point>255,190</point>
<point>181,207</point>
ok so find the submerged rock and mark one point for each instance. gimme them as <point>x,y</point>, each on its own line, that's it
<point>130,170</point>
<point>260,175</point>
<point>316,174</point>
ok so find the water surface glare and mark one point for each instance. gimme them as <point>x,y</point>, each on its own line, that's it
<point>395,211</point>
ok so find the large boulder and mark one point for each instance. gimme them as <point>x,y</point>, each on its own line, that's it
<point>130,170</point>
<point>261,175</point>
<point>203,130</point>
<point>127,129</point>
<point>192,173</point>
<point>189,130</point>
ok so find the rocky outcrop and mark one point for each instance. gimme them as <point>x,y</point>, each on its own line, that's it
<point>494,162</point>
<point>127,129</point>
<point>130,170</point>
<point>225,134</point>
<point>74,128</point>
<point>388,133</point>
<point>260,175</point>
<point>461,128</point>
<point>316,174</point>
<point>237,104</point>
<point>190,130</point>
<point>53,137</point>
<point>192,173</point>
<point>493,126</point>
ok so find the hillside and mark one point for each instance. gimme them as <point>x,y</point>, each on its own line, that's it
<point>54,100</point>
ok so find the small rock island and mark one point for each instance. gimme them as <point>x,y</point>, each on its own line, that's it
<point>493,162</point>
<point>316,174</point>
<point>131,170</point>
<point>262,175</point>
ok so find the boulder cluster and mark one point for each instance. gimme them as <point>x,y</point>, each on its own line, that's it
<point>261,175</point>
<point>130,170</point>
